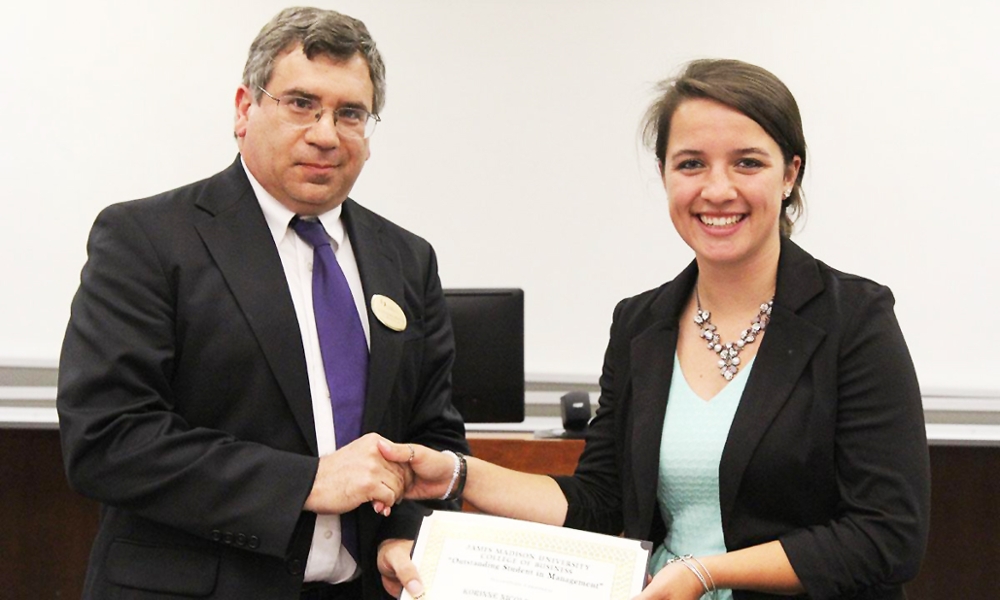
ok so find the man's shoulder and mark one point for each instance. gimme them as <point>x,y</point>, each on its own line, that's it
<point>358,217</point>
<point>212,193</point>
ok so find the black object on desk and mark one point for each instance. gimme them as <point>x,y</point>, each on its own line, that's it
<point>575,410</point>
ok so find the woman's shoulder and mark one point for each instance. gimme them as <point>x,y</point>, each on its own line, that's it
<point>842,301</point>
<point>804,280</point>
<point>851,287</point>
<point>662,303</point>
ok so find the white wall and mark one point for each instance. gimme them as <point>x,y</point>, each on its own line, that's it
<point>510,141</point>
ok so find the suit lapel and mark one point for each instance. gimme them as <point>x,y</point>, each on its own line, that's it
<point>380,272</point>
<point>784,353</point>
<point>652,364</point>
<point>239,241</point>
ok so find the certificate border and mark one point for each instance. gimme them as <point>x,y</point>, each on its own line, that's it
<point>441,527</point>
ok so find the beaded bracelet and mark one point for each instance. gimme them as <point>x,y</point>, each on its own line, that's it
<point>460,474</point>
<point>454,474</point>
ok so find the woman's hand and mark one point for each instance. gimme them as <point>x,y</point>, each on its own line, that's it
<point>674,582</point>
<point>397,569</point>
<point>432,471</point>
<point>489,488</point>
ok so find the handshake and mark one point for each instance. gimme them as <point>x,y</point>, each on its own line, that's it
<point>373,469</point>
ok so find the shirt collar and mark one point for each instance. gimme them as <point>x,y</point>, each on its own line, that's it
<point>279,216</point>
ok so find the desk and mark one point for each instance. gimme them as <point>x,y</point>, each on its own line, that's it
<point>48,529</point>
<point>547,457</point>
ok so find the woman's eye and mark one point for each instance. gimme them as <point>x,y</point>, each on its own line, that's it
<point>749,163</point>
<point>686,165</point>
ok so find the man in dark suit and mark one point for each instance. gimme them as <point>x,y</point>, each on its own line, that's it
<point>196,379</point>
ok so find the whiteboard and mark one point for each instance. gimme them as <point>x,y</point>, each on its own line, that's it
<point>510,141</point>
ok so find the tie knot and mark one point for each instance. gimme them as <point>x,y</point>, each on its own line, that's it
<point>311,231</point>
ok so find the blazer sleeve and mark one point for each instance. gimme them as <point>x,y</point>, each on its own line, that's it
<point>124,442</point>
<point>878,534</point>
<point>593,492</point>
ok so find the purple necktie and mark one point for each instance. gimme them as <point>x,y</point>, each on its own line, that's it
<point>343,346</point>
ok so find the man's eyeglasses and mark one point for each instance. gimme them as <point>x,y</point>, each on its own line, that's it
<point>302,112</point>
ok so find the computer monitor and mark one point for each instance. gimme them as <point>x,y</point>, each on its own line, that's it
<point>488,375</point>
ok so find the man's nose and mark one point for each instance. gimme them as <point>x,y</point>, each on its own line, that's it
<point>324,132</point>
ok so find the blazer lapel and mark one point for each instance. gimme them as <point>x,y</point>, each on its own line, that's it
<point>379,266</point>
<point>784,353</point>
<point>239,241</point>
<point>652,364</point>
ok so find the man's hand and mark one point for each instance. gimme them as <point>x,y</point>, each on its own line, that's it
<point>397,569</point>
<point>432,471</point>
<point>354,475</point>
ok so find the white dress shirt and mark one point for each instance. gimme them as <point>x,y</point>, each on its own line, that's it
<point>328,559</point>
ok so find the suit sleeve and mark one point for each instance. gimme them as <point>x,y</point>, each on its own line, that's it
<point>433,420</point>
<point>879,532</point>
<point>124,442</point>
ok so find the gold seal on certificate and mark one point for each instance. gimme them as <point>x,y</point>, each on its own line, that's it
<point>463,555</point>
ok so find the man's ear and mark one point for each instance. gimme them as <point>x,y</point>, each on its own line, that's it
<point>244,100</point>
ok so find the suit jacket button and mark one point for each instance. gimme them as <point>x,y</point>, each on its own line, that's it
<point>254,542</point>
<point>294,566</point>
<point>216,535</point>
<point>241,539</point>
<point>227,538</point>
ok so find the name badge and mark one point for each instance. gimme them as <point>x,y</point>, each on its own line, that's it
<point>388,312</point>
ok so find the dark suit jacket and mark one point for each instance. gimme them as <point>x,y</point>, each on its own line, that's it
<point>827,452</point>
<point>184,404</point>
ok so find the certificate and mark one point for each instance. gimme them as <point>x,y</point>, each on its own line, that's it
<point>471,556</point>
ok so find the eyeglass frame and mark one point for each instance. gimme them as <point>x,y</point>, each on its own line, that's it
<point>371,118</point>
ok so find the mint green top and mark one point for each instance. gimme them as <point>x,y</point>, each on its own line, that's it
<point>694,434</point>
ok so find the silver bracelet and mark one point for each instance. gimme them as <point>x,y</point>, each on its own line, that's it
<point>684,560</point>
<point>708,573</point>
<point>454,474</point>
<point>694,569</point>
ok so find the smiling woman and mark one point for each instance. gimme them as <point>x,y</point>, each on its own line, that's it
<point>726,180</point>
<point>790,461</point>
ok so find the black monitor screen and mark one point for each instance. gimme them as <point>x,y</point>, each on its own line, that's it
<point>488,376</point>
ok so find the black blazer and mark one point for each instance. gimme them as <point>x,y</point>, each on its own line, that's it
<point>184,403</point>
<point>827,452</point>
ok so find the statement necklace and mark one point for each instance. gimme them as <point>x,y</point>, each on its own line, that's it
<point>729,354</point>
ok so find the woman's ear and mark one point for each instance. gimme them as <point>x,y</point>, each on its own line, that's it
<point>792,172</point>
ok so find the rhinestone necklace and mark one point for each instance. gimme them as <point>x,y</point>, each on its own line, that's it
<point>729,354</point>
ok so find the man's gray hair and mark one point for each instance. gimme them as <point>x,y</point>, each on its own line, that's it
<point>319,32</point>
